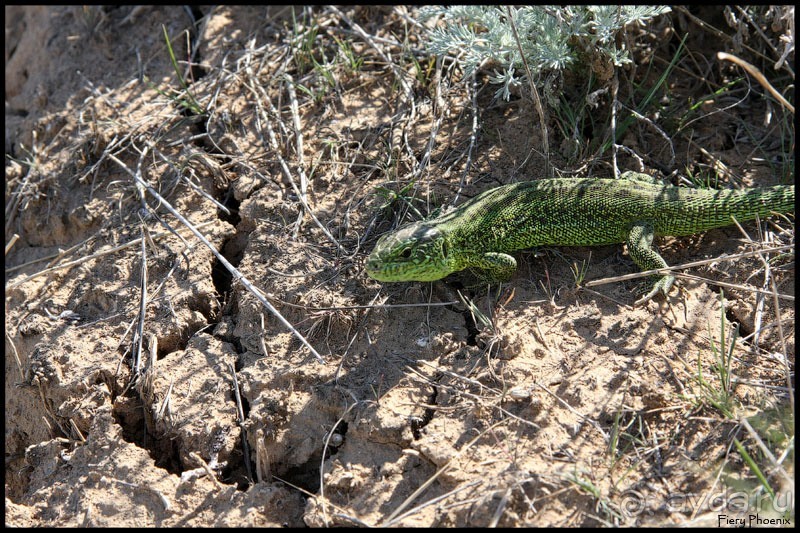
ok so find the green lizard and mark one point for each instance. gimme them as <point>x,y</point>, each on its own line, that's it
<point>481,233</point>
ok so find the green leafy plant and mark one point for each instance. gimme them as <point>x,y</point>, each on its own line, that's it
<point>551,38</point>
<point>719,392</point>
<point>579,272</point>
<point>189,101</point>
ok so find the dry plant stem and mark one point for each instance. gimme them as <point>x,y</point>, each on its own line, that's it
<point>705,116</point>
<point>572,410</point>
<point>76,262</point>
<point>14,239</point>
<point>263,335</point>
<point>498,513</point>
<point>367,306</point>
<point>256,88</point>
<point>537,101</point>
<point>758,384</point>
<point>439,472</point>
<point>434,131</point>
<point>165,407</point>
<point>432,501</point>
<point>355,335</point>
<point>768,454</point>
<point>425,379</point>
<point>19,193</point>
<point>158,493</point>
<point>759,292</point>
<point>640,162</point>
<point>49,410</point>
<point>343,519</point>
<point>138,337</point>
<point>787,371</point>
<point>760,296</point>
<point>188,181</point>
<point>662,271</point>
<point>237,276</point>
<point>145,386</point>
<point>767,40</point>
<point>316,497</point>
<point>657,129</point>
<point>241,420</point>
<point>322,499</point>
<point>717,33</point>
<point>613,126</point>
<point>407,94</point>
<point>298,135</point>
<point>753,71</point>
<point>76,430</point>
<point>204,466</point>
<point>473,136</point>
<point>10,342</point>
<point>262,458</point>
<point>64,253</point>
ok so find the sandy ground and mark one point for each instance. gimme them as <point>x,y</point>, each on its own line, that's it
<point>567,407</point>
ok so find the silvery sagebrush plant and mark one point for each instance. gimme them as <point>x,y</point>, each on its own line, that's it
<point>551,38</point>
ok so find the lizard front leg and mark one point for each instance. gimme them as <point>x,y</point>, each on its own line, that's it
<point>494,266</point>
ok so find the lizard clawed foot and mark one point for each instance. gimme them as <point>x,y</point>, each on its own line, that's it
<point>663,285</point>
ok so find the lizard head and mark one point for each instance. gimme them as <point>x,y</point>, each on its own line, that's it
<point>416,252</point>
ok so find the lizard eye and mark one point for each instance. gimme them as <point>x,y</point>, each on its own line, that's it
<point>405,254</point>
<point>445,249</point>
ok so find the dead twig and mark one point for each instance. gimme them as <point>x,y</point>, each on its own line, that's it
<point>537,101</point>
<point>236,275</point>
<point>753,71</point>
<point>662,271</point>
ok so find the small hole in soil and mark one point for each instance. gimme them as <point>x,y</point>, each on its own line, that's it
<point>305,476</point>
<point>418,423</point>
<point>472,329</point>
<point>129,414</point>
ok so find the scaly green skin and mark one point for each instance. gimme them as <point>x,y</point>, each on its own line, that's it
<point>480,233</point>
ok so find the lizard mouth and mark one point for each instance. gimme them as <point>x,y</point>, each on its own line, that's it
<point>372,266</point>
<point>400,272</point>
<point>379,270</point>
